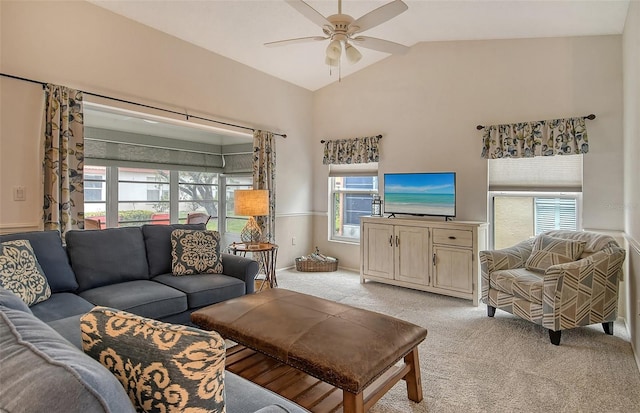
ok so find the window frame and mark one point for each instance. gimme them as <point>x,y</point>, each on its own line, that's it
<point>530,194</point>
<point>112,199</point>
<point>333,207</point>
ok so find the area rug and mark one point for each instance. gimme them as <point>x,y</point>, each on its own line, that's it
<point>472,363</point>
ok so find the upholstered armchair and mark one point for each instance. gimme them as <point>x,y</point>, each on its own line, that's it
<point>560,280</point>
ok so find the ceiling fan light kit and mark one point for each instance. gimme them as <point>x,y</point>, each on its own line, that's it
<point>341,30</point>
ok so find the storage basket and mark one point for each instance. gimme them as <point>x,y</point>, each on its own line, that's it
<point>316,266</point>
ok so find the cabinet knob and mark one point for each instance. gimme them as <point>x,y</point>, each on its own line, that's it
<point>391,240</point>
<point>452,237</point>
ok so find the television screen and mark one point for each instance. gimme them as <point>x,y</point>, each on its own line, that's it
<point>432,193</point>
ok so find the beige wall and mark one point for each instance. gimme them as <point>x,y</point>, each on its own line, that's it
<point>83,46</point>
<point>428,102</point>
<point>631,70</point>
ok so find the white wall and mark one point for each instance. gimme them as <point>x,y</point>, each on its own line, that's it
<point>427,104</point>
<point>631,70</point>
<point>80,45</point>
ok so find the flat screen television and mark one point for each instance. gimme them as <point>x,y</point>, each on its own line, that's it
<point>427,193</point>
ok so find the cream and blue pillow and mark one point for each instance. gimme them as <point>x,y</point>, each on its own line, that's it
<point>163,367</point>
<point>21,273</point>
<point>548,251</point>
<point>195,252</point>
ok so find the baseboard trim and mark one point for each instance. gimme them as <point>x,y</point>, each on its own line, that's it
<point>20,227</point>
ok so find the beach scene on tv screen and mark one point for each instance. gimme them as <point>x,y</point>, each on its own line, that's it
<point>420,194</point>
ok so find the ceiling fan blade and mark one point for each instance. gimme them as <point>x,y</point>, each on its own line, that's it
<point>297,40</point>
<point>309,12</point>
<point>378,16</point>
<point>380,45</point>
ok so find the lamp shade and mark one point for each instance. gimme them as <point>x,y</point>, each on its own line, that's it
<point>251,202</point>
<point>334,49</point>
<point>353,54</point>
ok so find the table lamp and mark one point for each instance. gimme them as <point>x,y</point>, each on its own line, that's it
<point>252,203</point>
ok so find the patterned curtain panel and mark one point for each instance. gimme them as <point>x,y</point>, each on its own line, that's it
<point>356,150</point>
<point>63,159</point>
<point>541,138</point>
<point>264,177</point>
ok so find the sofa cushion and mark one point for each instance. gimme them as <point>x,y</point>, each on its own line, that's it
<point>108,256</point>
<point>21,273</point>
<point>204,289</point>
<point>163,367</point>
<point>519,282</point>
<point>61,305</point>
<point>48,374</point>
<point>158,242</point>
<point>69,328</point>
<point>11,300</point>
<point>52,258</point>
<point>142,297</point>
<point>195,252</point>
<point>548,251</point>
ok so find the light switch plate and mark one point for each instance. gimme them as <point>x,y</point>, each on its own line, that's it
<point>19,193</point>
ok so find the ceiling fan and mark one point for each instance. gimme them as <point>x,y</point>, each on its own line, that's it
<point>342,31</point>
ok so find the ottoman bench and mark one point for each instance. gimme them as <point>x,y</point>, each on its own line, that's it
<point>347,347</point>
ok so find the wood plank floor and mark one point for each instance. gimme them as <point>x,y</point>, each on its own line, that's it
<point>307,391</point>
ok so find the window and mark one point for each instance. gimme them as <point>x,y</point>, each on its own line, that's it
<point>94,187</point>
<point>233,223</point>
<point>146,196</point>
<point>532,195</point>
<point>198,192</point>
<point>351,198</point>
<point>143,196</point>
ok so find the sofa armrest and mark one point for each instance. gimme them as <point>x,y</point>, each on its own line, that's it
<point>503,259</point>
<point>595,278</point>
<point>242,268</point>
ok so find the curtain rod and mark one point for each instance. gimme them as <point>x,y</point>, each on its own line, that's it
<point>377,136</point>
<point>186,115</point>
<point>590,117</point>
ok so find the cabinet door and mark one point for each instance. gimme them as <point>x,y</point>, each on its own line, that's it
<point>412,254</point>
<point>453,268</point>
<point>378,243</point>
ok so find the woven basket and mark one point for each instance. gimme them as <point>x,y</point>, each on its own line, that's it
<point>316,266</point>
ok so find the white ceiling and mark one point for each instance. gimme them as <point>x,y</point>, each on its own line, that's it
<point>238,29</point>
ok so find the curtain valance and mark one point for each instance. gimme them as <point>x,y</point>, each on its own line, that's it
<point>539,138</point>
<point>355,150</point>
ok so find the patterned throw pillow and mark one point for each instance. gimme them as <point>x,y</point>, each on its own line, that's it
<point>548,251</point>
<point>162,367</point>
<point>195,252</point>
<point>21,274</point>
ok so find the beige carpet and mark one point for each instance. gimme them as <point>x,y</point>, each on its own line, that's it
<point>473,363</point>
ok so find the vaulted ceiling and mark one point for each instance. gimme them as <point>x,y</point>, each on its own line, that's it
<point>238,29</point>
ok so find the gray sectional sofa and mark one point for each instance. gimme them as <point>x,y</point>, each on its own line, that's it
<point>123,268</point>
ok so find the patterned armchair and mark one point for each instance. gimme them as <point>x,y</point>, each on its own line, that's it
<point>560,280</point>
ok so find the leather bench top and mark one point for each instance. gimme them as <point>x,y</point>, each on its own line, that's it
<point>344,346</point>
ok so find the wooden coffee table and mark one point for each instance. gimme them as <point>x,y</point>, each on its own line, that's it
<point>354,350</point>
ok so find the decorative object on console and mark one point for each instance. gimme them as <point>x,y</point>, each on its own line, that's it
<point>251,203</point>
<point>376,206</point>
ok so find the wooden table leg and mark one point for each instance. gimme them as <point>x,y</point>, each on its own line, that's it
<point>413,379</point>
<point>352,403</point>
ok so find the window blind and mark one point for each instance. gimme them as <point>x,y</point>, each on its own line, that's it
<point>104,147</point>
<point>541,173</point>
<point>354,169</point>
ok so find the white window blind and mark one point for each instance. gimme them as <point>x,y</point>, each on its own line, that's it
<point>541,173</point>
<point>555,213</point>
<point>354,169</point>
